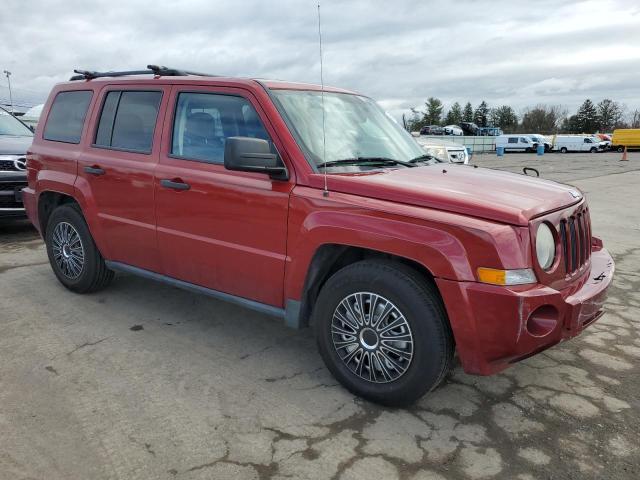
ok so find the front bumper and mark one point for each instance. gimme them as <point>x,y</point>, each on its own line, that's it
<point>496,326</point>
<point>11,185</point>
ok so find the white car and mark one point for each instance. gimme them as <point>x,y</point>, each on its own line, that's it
<point>449,152</point>
<point>453,130</point>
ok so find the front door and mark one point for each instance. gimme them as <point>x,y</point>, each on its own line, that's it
<point>116,172</point>
<point>217,228</point>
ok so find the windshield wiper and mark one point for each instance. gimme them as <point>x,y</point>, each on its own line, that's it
<point>365,161</point>
<point>424,157</point>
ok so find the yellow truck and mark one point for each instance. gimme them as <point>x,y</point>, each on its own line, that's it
<point>625,137</point>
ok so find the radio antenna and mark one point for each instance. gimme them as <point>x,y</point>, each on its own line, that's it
<point>324,138</point>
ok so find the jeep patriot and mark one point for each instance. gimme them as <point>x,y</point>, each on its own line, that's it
<point>313,205</point>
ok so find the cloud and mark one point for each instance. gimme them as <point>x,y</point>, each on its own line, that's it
<point>402,52</point>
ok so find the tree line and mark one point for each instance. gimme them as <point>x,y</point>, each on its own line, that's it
<point>590,117</point>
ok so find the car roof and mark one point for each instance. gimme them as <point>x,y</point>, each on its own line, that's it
<point>206,80</point>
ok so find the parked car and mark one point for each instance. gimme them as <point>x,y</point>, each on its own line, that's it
<point>15,139</point>
<point>449,152</point>
<point>453,130</point>
<point>625,137</point>
<point>32,116</point>
<point>540,140</point>
<point>243,190</point>
<point>432,130</point>
<point>469,128</point>
<point>578,143</point>
<point>516,143</point>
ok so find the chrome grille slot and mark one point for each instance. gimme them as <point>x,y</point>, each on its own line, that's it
<point>575,237</point>
<point>565,244</point>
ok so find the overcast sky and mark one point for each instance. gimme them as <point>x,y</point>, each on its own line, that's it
<point>400,52</point>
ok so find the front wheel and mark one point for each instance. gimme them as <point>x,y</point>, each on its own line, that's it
<point>73,255</point>
<point>593,150</point>
<point>383,333</point>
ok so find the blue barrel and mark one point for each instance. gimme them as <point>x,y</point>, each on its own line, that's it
<point>540,149</point>
<point>500,151</point>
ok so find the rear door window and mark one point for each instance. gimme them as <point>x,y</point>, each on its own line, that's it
<point>128,120</point>
<point>513,140</point>
<point>66,117</point>
<point>204,121</point>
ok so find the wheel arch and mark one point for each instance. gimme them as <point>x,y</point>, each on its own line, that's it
<point>332,257</point>
<point>48,201</point>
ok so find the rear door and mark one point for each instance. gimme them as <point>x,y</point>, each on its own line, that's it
<point>116,172</point>
<point>217,228</point>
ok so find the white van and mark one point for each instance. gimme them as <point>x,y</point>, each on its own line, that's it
<point>516,143</point>
<point>578,143</point>
<point>540,140</point>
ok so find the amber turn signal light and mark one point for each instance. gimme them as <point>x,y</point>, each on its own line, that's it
<point>495,276</point>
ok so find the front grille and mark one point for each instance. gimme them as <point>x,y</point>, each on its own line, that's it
<point>8,166</point>
<point>575,238</point>
<point>456,157</point>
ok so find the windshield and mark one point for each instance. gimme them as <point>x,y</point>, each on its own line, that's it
<point>355,127</point>
<point>9,125</point>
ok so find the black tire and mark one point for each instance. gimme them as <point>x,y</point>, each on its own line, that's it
<point>563,150</point>
<point>421,306</point>
<point>94,274</point>
<point>620,149</point>
<point>593,150</point>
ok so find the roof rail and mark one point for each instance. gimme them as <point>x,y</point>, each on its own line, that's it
<point>152,69</point>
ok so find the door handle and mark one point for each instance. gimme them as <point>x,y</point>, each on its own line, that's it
<point>175,185</point>
<point>94,170</point>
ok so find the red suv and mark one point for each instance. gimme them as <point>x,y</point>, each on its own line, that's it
<point>312,205</point>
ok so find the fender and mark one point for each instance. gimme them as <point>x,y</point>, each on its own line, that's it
<point>450,246</point>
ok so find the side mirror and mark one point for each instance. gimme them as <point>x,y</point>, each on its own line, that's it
<point>246,154</point>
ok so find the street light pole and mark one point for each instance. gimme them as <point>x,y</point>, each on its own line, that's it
<point>8,74</point>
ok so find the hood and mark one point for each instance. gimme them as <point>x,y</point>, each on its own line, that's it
<point>11,145</point>
<point>480,192</point>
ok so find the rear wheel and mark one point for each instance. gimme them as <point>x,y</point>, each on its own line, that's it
<point>73,255</point>
<point>563,150</point>
<point>383,332</point>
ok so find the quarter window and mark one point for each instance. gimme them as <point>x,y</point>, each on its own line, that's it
<point>204,121</point>
<point>66,118</point>
<point>128,120</point>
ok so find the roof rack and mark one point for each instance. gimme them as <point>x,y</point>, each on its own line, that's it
<point>151,69</point>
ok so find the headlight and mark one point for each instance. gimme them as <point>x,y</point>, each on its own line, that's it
<point>545,246</point>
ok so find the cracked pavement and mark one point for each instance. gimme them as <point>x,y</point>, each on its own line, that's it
<point>201,389</point>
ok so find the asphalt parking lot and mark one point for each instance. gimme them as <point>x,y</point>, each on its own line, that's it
<point>144,381</point>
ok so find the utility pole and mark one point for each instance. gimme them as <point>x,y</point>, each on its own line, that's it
<point>8,74</point>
